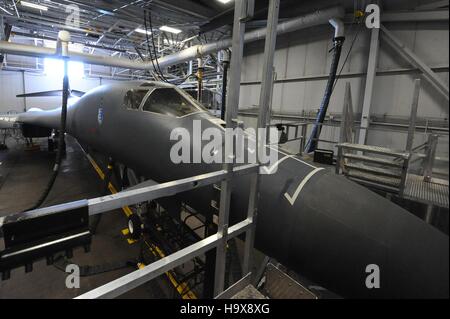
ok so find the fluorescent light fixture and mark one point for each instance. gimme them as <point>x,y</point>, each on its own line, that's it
<point>33,5</point>
<point>224,1</point>
<point>54,69</point>
<point>139,30</point>
<point>170,29</point>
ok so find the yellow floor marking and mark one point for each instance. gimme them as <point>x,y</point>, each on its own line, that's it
<point>131,241</point>
<point>182,288</point>
<point>111,187</point>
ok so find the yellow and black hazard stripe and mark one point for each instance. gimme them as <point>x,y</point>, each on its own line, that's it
<point>182,288</point>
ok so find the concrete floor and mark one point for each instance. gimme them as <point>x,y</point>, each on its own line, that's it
<point>23,176</point>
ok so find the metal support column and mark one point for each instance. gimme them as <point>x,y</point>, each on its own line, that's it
<point>242,12</point>
<point>263,119</point>
<point>430,156</point>
<point>370,78</point>
<point>200,80</point>
<point>303,132</point>
<point>2,28</point>
<point>5,33</point>
<point>346,129</point>
<point>225,66</point>
<point>24,91</point>
<point>413,116</point>
<point>429,214</point>
<point>412,58</point>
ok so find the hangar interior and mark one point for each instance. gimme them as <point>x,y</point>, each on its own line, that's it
<point>367,103</point>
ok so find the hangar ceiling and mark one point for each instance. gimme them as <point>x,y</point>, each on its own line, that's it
<point>112,24</point>
<point>117,27</point>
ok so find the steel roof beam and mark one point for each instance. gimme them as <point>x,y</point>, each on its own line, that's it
<point>412,58</point>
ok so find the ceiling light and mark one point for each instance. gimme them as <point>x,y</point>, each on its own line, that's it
<point>224,1</point>
<point>139,30</point>
<point>170,29</point>
<point>33,5</point>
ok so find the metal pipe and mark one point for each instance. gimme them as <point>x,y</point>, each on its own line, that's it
<point>413,116</point>
<point>225,64</point>
<point>315,134</point>
<point>316,18</point>
<point>430,155</point>
<point>338,26</point>
<point>200,79</point>
<point>338,39</point>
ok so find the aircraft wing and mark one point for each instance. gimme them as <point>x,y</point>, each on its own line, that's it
<point>73,93</point>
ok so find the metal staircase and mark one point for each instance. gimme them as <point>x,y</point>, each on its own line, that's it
<point>373,166</point>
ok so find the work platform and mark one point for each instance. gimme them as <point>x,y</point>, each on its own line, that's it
<point>390,173</point>
<point>434,192</point>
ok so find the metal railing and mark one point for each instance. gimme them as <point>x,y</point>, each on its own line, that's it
<point>126,283</point>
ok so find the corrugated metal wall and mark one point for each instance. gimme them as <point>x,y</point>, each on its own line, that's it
<point>303,58</point>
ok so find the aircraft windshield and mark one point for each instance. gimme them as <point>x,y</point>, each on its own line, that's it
<point>133,98</point>
<point>169,102</point>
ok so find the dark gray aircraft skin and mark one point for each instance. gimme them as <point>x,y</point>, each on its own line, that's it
<point>321,225</point>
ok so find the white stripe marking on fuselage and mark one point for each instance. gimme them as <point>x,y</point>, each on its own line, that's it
<point>270,169</point>
<point>292,199</point>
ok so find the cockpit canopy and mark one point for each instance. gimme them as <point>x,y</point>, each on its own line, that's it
<point>162,100</point>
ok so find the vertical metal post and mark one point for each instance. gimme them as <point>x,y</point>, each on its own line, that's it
<point>24,91</point>
<point>413,116</point>
<point>338,160</point>
<point>2,28</point>
<point>190,67</point>
<point>370,78</point>
<point>429,214</point>
<point>429,160</point>
<point>263,118</point>
<point>225,65</point>
<point>242,12</point>
<point>200,80</point>
<point>5,33</point>
<point>346,128</point>
<point>404,176</point>
<point>303,140</point>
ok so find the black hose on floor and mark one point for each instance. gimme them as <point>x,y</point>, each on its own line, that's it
<point>61,142</point>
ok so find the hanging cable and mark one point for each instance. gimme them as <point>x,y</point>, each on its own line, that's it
<point>154,47</point>
<point>157,77</point>
<point>61,143</point>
